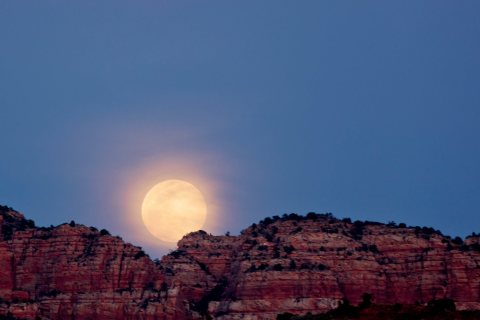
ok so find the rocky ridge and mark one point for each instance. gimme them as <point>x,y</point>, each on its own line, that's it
<point>291,264</point>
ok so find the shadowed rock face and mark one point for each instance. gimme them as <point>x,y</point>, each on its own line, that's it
<point>290,264</point>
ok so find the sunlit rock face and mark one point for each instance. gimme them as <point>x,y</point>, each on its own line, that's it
<point>289,264</point>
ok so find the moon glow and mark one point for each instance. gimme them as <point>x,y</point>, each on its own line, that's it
<point>173,208</point>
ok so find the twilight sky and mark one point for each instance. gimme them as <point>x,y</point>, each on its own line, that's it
<point>368,110</point>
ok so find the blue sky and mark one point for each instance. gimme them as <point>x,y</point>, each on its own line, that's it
<point>368,110</point>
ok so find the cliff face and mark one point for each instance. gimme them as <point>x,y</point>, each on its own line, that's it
<point>290,264</point>
<point>71,270</point>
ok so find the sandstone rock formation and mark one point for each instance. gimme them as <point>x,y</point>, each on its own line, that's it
<point>282,264</point>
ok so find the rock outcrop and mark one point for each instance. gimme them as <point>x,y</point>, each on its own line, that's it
<point>283,264</point>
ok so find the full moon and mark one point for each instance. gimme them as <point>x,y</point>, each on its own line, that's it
<point>172,209</point>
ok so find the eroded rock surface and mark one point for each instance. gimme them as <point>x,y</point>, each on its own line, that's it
<point>283,264</point>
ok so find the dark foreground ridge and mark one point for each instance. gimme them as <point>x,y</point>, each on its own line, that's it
<point>289,267</point>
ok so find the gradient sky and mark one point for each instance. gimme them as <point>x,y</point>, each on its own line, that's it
<point>368,110</point>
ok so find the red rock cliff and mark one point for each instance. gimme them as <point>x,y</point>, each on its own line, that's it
<point>290,264</point>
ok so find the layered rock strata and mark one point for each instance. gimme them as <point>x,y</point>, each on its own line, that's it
<point>282,264</point>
